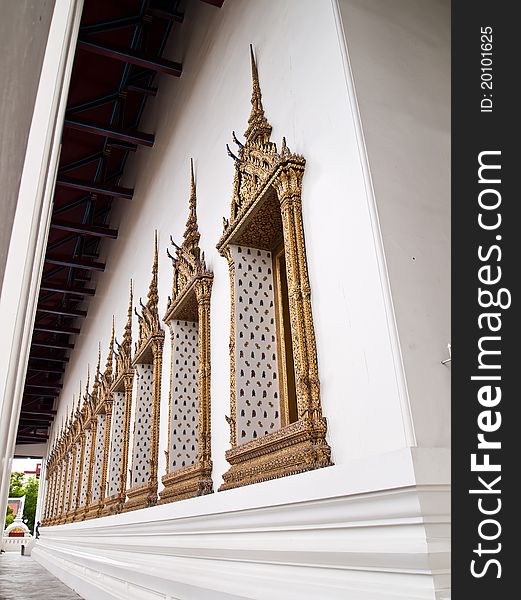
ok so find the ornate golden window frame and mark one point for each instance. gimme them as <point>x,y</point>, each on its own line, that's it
<point>149,350</point>
<point>122,381</point>
<point>88,423</point>
<point>190,301</point>
<point>102,403</point>
<point>76,438</point>
<point>261,169</point>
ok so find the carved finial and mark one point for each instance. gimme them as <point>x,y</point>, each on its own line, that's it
<point>108,365</point>
<point>234,137</point>
<point>127,335</point>
<point>191,236</point>
<point>192,186</point>
<point>88,380</point>
<point>231,154</point>
<point>259,130</point>
<point>153,297</point>
<point>98,366</point>
<point>172,258</point>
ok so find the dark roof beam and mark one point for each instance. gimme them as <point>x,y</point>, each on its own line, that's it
<point>60,288</point>
<point>44,386</point>
<point>51,413</point>
<point>58,310</point>
<point>155,63</point>
<point>131,136</point>
<point>104,189</point>
<point>93,230</point>
<point>59,359</point>
<point>75,263</point>
<point>81,162</point>
<point>57,329</point>
<point>112,24</point>
<point>45,370</point>
<point>52,344</point>
<point>143,89</point>
<point>161,10</point>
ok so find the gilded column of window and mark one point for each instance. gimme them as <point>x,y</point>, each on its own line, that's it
<point>53,494</point>
<point>46,499</point>
<point>101,400</point>
<point>98,436</point>
<point>92,456</point>
<point>49,474</point>
<point>89,437</point>
<point>72,472</point>
<point>65,485</point>
<point>121,394</point>
<point>76,453</point>
<point>61,479</point>
<point>56,485</point>
<point>52,487</point>
<point>68,467</point>
<point>61,448</point>
<point>57,469</point>
<point>106,399</point>
<point>48,489</point>
<point>276,422</point>
<point>189,464</point>
<point>147,364</point>
<point>81,442</point>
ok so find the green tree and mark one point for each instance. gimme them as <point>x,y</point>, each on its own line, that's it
<point>29,489</point>
<point>9,517</point>
<point>31,497</point>
<point>16,485</point>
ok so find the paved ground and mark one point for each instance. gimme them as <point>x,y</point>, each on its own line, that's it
<point>22,578</point>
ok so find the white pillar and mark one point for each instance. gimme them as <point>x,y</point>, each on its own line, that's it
<point>31,224</point>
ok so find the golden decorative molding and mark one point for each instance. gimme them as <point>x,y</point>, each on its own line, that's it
<point>267,186</point>
<point>149,350</point>
<point>122,381</point>
<point>123,364</point>
<point>190,301</point>
<point>88,422</point>
<point>150,331</point>
<point>103,411</point>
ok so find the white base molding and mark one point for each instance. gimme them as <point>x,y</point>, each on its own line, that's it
<point>375,530</point>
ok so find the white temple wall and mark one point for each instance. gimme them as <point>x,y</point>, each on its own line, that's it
<point>355,530</point>
<point>305,99</point>
<point>402,80</point>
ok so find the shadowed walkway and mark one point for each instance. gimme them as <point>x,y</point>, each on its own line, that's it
<point>22,578</point>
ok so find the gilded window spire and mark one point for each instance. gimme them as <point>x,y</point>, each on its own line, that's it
<point>149,318</point>
<point>259,130</point>
<point>106,378</point>
<point>124,352</point>
<point>88,382</point>
<point>192,236</point>
<point>78,409</point>
<point>153,296</point>
<point>188,261</point>
<point>110,355</point>
<point>97,374</point>
<point>127,335</point>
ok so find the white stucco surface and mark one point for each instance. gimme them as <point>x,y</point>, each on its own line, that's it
<point>305,99</point>
<point>402,80</point>
<point>360,524</point>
